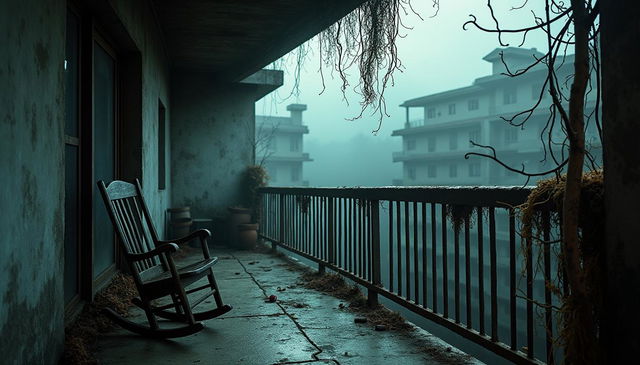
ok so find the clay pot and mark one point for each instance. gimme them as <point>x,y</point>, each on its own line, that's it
<point>247,236</point>
<point>237,216</point>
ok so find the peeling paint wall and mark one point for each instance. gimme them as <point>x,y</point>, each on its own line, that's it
<point>138,19</point>
<point>32,46</point>
<point>211,141</point>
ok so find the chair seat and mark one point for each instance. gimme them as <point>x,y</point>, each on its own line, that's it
<point>162,283</point>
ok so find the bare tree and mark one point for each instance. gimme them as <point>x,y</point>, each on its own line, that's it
<point>263,142</point>
<point>574,25</point>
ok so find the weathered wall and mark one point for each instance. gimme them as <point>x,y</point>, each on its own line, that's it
<point>32,180</point>
<point>211,142</point>
<point>142,27</point>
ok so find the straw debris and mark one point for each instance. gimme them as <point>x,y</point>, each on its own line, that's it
<point>81,336</point>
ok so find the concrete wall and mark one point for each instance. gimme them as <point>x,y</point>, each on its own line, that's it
<point>32,46</point>
<point>138,19</point>
<point>211,141</point>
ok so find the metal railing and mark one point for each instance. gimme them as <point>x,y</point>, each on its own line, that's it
<point>448,254</point>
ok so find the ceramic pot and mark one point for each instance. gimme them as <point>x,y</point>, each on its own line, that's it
<point>247,236</point>
<point>237,216</point>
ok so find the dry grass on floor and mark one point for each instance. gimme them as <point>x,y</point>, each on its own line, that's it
<point>82,334</point>
<point>334,284</point>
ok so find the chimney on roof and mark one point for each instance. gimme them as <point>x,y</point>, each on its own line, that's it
<point>296,112</point>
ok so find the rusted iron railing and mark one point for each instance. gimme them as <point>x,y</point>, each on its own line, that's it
<point>449,254</point>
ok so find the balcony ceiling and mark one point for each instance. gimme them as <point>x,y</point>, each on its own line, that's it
<point>233,38</point>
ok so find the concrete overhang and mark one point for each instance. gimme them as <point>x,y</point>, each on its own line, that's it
<point>264,82</point>
<point>233,39</point>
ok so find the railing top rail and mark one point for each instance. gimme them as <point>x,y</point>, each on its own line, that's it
<point>500,196</point>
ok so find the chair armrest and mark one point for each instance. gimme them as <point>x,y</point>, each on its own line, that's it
<point>163,248</point>
<point>201,233</point>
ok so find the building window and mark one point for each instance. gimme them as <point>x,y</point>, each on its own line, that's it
<point>453,141</point>
<point>511,135</point>
<point>452,109</point>
<point>431,113</point>
<point>453,170</point>
<point>294,144</point>
<point>431,143</point>
<point>411,144</point>
<point>273,174</point>
<point>272,146</point>
<point>411,172</point>
<point>474,136</point>
<point>162,144</point>
<point>510,96</point>
<point>474,169</point>
<point>536,89</point>
<point>295,173</point>
<point>474,104</point>
<point>431,171</point>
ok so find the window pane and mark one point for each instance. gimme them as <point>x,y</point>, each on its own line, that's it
<point>104,147</point>
<point>71,223</point>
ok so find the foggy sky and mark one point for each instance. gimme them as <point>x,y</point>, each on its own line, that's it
<point>437,55</point>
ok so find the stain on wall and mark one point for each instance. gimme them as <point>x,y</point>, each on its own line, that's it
<point>32,180</point>
<point>212,142</point>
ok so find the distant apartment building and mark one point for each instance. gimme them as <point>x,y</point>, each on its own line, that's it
<point>279,147</point>
<point>438,127</point>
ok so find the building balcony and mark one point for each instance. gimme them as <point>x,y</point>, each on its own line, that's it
<point>290,157</point>
<point>404,156</point>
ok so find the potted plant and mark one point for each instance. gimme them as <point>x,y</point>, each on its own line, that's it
<point>245,221</point>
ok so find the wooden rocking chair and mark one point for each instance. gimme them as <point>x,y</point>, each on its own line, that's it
<point>153,269</point>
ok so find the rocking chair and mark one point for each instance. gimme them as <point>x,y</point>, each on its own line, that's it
<point>154,271</point>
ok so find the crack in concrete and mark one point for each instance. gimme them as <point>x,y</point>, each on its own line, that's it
<point>253,316</point>
<point>298,325</point>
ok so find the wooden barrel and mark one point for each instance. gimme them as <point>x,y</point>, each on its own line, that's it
<point>179,213</point>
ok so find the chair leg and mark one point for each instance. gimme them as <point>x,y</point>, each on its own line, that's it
<point>153,323</point>
<point>176,303</point>
<point>214,287</point>
<point>185,305</point>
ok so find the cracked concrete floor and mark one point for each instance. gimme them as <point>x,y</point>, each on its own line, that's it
<point>303,326</point>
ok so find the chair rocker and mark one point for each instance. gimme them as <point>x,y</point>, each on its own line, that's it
<point>153,269</point>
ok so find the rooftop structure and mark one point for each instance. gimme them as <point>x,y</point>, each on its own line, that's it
<point>279,147</point>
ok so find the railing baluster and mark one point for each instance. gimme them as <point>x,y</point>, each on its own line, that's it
<point>391,246</point>
<point>456,267</point>
<point>494,277</point>
<point>424,255</point>
<point>512,280</point>
<point>467,268</point>
<point>399,242</point>
<point>332,242</point>
<point>407,249</point>
<point>360,239</point>
<point>434,258</point>
<point>480,271</point>
<point>445,273</point>
<point>281,218</point>
<point>375,252</point>
<point>529,274</point>
<point>546,236</point>
<point>353,236</point>
<point>416,272</point>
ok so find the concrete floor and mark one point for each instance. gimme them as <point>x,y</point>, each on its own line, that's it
<point>303,326</point>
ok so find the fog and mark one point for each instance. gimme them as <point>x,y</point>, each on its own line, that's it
<point>437,55</point>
